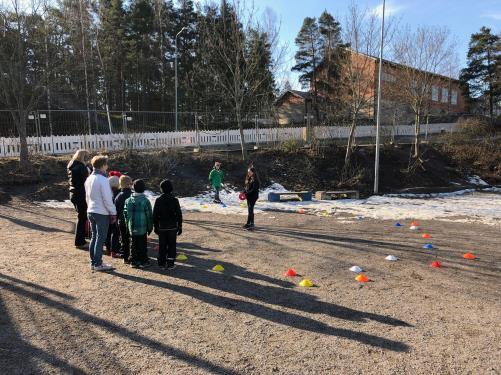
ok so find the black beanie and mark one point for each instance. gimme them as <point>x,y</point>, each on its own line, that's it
<point>139,186</point>
<point>166,186</point>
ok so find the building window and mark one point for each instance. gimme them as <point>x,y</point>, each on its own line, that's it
<point>454,97</point>
<point>434,93</point>
<point>388,77</point>
<point>445,95</point>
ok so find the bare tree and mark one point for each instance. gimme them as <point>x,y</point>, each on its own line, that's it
<point>226,57</point>
<point>361,31</point>
<point>23,73</point>
<point>423,56</point>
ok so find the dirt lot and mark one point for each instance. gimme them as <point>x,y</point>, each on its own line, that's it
<point>56,316</point>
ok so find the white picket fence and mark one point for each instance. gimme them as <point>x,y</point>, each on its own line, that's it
<point>141,141</point>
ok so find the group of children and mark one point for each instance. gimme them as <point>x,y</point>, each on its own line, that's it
<point>121,217</point>
<point>128,235</point>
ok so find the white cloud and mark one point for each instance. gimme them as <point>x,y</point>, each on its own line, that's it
<point>493,15</point>
<point>389,10</point>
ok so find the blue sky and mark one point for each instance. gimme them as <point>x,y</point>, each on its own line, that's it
<point>462,17</point>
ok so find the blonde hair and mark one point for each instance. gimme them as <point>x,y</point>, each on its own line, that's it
<point>80,155</point>
<point>98,161</point>
<point>125,182</point>
<point>114,181</point>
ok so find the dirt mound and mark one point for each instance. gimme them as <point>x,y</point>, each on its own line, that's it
<point>296,169</point>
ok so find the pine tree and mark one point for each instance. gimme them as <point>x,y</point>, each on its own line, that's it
<point>308,57</point>
<point>482,75</point>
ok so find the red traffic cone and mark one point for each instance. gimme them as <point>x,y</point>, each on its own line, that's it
<point>426,235</point>
<point>290,272</point>
<point>436,264</point>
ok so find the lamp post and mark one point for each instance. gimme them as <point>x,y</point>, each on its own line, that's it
<point>175,67</point>
<point>378,115</point>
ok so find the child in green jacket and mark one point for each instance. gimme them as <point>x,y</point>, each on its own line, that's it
<point>139,219</point>
<point>216,178</point>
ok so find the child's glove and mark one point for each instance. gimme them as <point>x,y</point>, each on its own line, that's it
<point>179,231</point>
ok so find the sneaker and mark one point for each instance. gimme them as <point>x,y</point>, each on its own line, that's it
<point>115,255</point>
<point>126,261</point>
<point>217,201</point>
<point>134,265</point>
<point>91,267</point>
<point>246,226</point>
<point>171,267</point>
<point>145,264</point>
<point>103,267</point>
<point>83,247</point>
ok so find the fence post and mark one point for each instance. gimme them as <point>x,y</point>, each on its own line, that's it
<point>197,131</point>
<point>257,131</point>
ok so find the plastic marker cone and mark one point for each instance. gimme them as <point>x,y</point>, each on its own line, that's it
<point>242,205</point>
<point>397,225</point>
<point>414,227</point>
<point>414,224</point>
<point>204,206</point>
<point>426,235</point>
<point>306,283</point>
<point>300,211</point>
<point>391,258</point>
<point>181,257</point>
<point>356,269</point>
<point>469,256</point>
<point>436,264</point>
<point>218,268</point>
<point>362,278</point>
<point>428,246</point>
<point>290,272</point>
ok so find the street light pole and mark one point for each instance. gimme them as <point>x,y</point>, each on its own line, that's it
<point>378,115</point>
<point>175,68</point>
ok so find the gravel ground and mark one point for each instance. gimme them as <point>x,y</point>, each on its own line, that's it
<point>56,316</point>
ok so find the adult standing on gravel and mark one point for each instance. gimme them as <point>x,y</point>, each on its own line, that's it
<point>77,174</point>
<point>101,210</point>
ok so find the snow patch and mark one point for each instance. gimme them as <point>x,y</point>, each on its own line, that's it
<point>476,180</point>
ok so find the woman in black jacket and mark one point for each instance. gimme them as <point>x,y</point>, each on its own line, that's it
<point>252,194</point>
<point>168,224</point>
<point>77,174</point>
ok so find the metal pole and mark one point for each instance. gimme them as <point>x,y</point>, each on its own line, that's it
<point>378,116</point>
<point>175,69</point>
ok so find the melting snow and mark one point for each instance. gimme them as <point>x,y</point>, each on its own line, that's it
<point>461,206</point>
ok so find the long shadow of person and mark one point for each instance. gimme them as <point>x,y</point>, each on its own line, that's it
<point>267,313</point>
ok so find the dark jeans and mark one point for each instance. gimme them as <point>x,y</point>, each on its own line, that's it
<point>167,246</point>
<point>217,189</point>
<point>99,225</point>
<point>113,239</point>
<point>124,240</point>
<point>139,249</point>
<point>81,207</point>
<point>250,210</point>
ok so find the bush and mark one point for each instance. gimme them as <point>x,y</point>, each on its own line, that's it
<point>292,145</point>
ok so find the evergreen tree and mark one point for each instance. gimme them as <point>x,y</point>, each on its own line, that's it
<point>482,75</point>
<point>308,57</point>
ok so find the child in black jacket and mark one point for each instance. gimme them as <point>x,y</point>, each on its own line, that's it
<point>252,195</point>
<point>168,224</point>
<point>125,193</point>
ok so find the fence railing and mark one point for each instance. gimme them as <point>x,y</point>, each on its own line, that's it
<point>64,144</point>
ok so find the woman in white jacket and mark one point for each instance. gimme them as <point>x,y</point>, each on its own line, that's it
<point>101,210</point>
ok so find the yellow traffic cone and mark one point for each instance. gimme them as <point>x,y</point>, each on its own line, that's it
<point>306,283</point>
<point>218,268</point>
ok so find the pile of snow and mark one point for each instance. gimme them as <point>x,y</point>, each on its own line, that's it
<point>462,206</point>
<point>476,180</point>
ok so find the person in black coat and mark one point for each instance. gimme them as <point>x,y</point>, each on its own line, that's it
<point>168,224</point>
<point>251,194</point>
<point>125,193</point>
<point>77,174</point>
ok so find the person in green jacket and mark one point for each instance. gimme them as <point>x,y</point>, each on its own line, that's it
<point>216,177</point>
<point>139,219</point>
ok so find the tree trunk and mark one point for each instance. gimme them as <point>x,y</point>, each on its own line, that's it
<point>417,136</point>
<point>351,139</point>
<point>20,120</point>
<point>242,138</point>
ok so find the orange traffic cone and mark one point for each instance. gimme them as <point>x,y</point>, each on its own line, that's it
<point>362,278</point>
<point>290,272</point>
<point>469,256</point>
<point>436,264</point>
<point>426,235</point>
